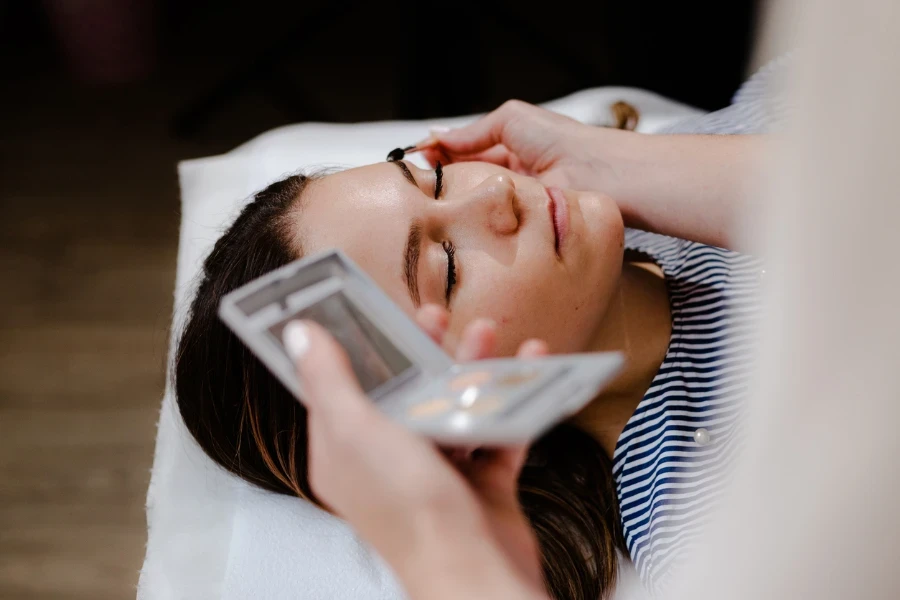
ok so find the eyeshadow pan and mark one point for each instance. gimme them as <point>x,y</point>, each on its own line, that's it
<point>517,377</point>
<point>466,380</point>
<point>483,405</point>
<point>429,408</point>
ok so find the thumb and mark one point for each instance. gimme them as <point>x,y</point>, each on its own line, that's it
<point>487,132</point>
<point>555,178</point>
<point>329,384</point>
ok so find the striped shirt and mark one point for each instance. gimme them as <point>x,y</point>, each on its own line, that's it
<point>672,457</point>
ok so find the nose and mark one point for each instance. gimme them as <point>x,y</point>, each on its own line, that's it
<point>492,204</point>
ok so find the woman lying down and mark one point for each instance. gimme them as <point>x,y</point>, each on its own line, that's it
<point>522,220</point>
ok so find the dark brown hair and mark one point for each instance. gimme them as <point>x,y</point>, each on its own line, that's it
<point>247,422</point>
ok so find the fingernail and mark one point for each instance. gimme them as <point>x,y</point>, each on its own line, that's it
<point>434,132</point>
<point>296,339</point>
<point>423,144</point>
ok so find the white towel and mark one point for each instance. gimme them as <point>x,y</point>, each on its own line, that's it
<point>210,534</point>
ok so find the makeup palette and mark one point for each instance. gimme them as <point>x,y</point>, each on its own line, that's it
<point>409,377</point>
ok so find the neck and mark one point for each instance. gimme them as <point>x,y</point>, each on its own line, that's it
<point>638,324</point>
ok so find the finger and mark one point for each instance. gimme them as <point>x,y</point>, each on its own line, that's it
<point>433,318</point>
<point>497,155</point>
<point>486,132</point>
<point>495,471</point>
<point>478,341</point>
<point>506,459</point>
<point>433,155</point>
<point>533,348</point>
<point>555,178</point>
<point>430,142</point>
<point>459,455</point>
<point>330,387</point>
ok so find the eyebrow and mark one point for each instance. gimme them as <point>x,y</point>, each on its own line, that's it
<point>411,261</point>
<point>413,245</point>
<point>406,172</point>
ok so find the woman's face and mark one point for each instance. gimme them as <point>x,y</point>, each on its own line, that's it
<point>496,224</point>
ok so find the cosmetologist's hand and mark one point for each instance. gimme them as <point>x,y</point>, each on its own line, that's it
<point>527,139</point>
<point>448,522</point>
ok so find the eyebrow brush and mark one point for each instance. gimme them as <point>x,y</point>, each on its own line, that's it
<point>400,153</point>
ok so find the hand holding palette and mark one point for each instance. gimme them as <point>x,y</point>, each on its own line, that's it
<point>489,402</point>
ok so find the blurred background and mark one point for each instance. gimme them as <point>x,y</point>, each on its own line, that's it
<point>101,98</point>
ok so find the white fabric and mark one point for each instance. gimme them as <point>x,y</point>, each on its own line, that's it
<point>212,535</point>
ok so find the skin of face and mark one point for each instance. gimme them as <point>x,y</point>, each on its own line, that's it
<point>504,246</point>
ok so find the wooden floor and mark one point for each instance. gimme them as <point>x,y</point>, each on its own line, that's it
<point>88,239</point>
<point>89,219</point>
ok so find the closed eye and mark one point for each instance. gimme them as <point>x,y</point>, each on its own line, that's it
<point>450,249</point>
<point>438,180</point>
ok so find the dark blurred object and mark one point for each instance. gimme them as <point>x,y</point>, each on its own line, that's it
<point>696,52</point>
<point>105,41</point>
<point>264,69</point>
<point>458,71</point>
<point>358,61</point>
<point>464,57</point>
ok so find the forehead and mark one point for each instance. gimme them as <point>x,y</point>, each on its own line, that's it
<point>365,212</point>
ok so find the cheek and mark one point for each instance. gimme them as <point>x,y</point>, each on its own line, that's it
<point>604,230</point>
<point>529,304</point>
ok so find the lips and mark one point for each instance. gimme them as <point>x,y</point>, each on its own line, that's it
<point>559,217</point>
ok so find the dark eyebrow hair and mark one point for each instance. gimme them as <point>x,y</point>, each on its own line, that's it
<point>411,261</point>
<point>406,172</point>
<point>413,244</point>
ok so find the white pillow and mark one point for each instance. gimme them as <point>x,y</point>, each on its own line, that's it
<point>211,535</point>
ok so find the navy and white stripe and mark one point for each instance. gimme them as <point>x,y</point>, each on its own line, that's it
<point>667,473</point>
<point>666,479</point>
